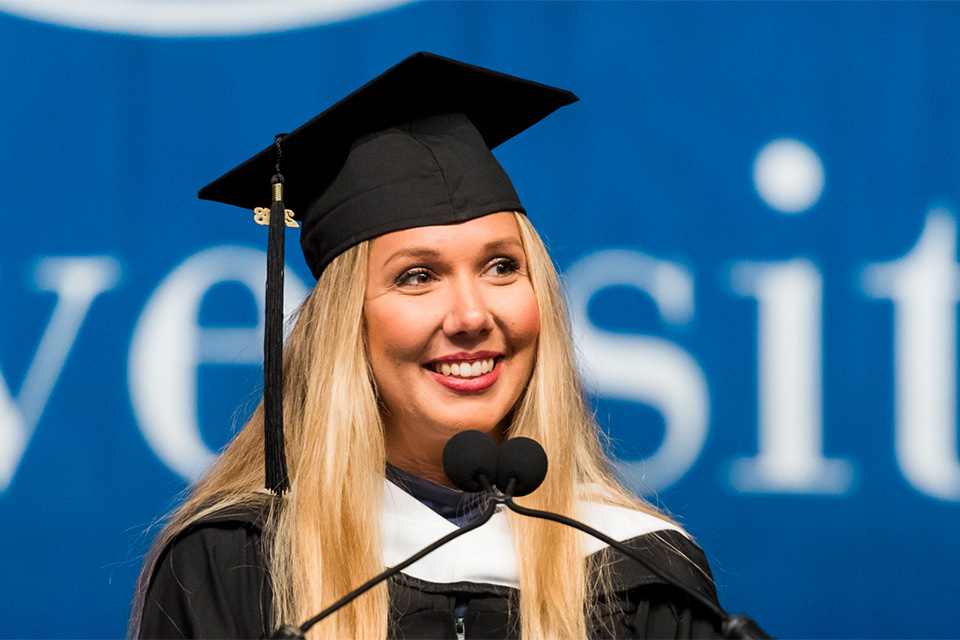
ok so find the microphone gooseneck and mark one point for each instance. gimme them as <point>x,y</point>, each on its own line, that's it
<point>731,626</point>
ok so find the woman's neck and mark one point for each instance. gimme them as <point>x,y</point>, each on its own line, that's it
<point>420,450</point>
<point>422,463</point>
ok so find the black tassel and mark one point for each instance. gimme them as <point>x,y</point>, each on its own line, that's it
<point>277,479</point>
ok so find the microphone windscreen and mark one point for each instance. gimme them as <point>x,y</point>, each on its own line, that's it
<point>467,456</point>
<point>525,461</point>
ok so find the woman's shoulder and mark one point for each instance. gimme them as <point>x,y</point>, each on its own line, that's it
<point>653,537</point>
<point>223,539</point>
<point>217,538</point>
<point>666,551</point>
<point>624,521</point>
<point>642,603</point>
<point>209,580</point>
<point>252,515</point>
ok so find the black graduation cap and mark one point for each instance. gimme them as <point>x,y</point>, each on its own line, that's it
<point>410,148</point>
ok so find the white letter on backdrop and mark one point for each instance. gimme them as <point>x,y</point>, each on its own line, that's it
<point>169,345</point>
<point>641,368</point>
<point>924,286</point>
<point>76,282</point>
<point>789,379</point>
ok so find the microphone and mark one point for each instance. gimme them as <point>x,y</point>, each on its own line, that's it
<point>523,462</point>
<point>470,461</point>
<point>523,466</point>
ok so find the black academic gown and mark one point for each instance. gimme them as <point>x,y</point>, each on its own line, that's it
<point>210,582</point>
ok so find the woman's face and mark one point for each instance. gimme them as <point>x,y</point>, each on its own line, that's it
<point>452,324</point>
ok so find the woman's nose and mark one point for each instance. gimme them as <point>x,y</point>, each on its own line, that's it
<point>468,312</point>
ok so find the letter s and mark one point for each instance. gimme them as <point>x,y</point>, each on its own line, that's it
<point>641,368</point>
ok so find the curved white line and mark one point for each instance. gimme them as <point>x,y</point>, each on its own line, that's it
<point>183,18</point>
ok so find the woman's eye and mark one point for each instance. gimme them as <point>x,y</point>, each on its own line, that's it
<point>413,278</point>
<point>504,267</point>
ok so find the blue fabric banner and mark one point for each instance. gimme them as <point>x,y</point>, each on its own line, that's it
<point>754,208</point>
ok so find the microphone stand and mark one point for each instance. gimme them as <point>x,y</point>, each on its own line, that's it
<point>740,626</point>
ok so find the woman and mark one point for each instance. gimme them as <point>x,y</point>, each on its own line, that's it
<point>437,309</point>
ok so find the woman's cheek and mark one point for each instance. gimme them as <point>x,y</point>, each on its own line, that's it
<point>525,323</point>
<point>405,328</point>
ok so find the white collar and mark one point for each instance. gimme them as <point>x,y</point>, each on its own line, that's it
<point>486,555</point>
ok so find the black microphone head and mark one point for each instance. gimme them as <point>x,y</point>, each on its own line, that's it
<point>467,456</point>
<point>524,460</point>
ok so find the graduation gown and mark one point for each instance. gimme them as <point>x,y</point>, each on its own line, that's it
<point>210,581</point>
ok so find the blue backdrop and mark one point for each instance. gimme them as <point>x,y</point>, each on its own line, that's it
<point>754,207</point>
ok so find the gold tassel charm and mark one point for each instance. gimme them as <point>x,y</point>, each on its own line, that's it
<point>261,215</point>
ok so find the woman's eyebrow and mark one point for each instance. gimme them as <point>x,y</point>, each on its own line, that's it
<point>505,243</point>
<point>429,252</point>
<point>412,252</point>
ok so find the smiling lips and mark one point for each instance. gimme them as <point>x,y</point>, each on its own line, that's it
<point>464,369</point>
<point>466,375</point>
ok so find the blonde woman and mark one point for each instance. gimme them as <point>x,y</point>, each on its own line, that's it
<point>437,310</point>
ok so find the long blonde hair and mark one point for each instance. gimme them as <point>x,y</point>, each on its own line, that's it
<point>323,538</point>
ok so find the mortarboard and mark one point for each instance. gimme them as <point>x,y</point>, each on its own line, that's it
<point>410,148</point>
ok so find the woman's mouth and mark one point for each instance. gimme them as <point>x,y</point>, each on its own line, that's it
<point>466,375</point>
<point>465,369</point>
